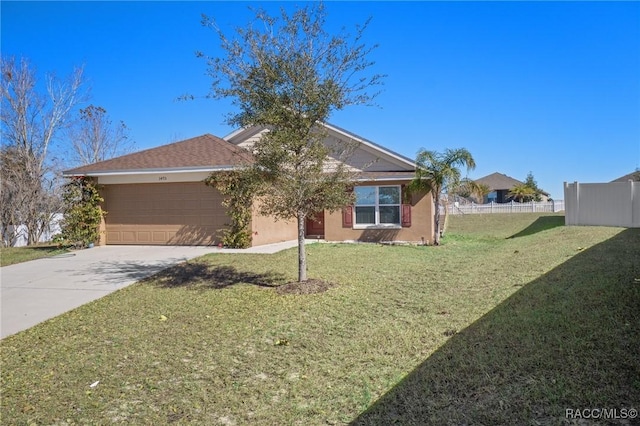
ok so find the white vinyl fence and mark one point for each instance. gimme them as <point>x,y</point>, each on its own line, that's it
<point>16,236</point>
<point>512,207</point>
<point>604,204</point>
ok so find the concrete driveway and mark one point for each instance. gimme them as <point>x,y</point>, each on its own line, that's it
<point>38,290</point>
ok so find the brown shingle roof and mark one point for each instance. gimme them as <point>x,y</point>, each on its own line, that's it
<point>202,151</point>
<point>497,181</point>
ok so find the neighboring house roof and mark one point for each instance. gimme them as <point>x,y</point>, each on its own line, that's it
<point>202,153</point>
<point>634,176</point>
<point>499,181</point>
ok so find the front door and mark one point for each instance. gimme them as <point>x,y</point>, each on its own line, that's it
<point>315,225</point>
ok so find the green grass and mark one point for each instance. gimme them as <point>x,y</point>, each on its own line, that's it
<point>512,320</point>
<point>13,255</point>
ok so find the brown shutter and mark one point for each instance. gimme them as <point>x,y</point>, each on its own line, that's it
<point>406,215</point>
<point>347,217</point>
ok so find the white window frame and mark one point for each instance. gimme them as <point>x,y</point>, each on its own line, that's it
<point>377,224</point>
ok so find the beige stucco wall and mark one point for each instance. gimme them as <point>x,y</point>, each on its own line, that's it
<point>421,224</point>
<point>267,230</point>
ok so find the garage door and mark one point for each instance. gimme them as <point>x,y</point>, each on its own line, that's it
<point>163,214</point>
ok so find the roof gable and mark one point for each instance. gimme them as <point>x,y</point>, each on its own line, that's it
<point>202,152</point>
<point>368,156</point>
<point>373,147</point>
<point>498,181</point>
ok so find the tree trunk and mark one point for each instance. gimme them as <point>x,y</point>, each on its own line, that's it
<point>436,220</point>
<point>302,254</point>
<point>446,217</point>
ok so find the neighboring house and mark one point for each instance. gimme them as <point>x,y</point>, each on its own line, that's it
<point>500,185</point>
<point>633,176</point>
<point>157,196</point>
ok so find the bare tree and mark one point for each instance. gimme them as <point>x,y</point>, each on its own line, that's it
<point>13,195</point>
<point>287,74</point>
<point>95,138</point>
<point>30,123</point>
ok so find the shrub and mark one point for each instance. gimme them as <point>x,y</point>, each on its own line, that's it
<point>238,190</point>
<point>82,212</point>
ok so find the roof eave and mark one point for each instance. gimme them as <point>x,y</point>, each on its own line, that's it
<point>97,173</point>
<point>247,129</point>
<point>383,179</point>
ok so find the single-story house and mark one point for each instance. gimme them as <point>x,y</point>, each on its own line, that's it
<point>500,185</point>
<point>157,196</point>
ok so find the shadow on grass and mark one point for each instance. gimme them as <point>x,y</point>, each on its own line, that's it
<point>567,340</point>
<point>47,247</point>
<point>203,276</point>
<point>120,272</point>
<point>540,224</point>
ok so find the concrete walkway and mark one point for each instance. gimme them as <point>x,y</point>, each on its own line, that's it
<point>32,292</point>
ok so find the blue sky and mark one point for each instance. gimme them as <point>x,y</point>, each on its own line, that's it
<point>547,87</point>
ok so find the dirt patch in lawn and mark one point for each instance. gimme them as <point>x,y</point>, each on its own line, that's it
<point>307,287</point>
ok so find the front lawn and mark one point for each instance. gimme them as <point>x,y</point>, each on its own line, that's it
<point>514,319</point>
<point>13,255</point>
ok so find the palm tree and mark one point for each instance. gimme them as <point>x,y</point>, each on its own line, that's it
<point>522,193</point>
<point>469,188</point>
<point>436,172</point>
<point>481,191</point>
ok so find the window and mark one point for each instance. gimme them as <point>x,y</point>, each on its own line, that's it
<point>377,205</point>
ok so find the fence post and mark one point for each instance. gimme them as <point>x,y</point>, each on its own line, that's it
<point>572,216</point>
<point>566,204</point>
<point>630,225</point>
<point>577,202</point>
<point>634,212</point>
